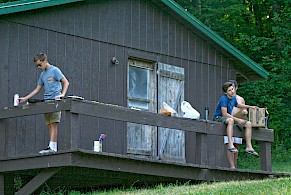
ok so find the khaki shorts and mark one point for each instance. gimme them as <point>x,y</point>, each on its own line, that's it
<point>53,117</point>
<point>223,120</point>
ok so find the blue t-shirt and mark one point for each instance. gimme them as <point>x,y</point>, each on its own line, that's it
<point>225,102</point>
<point>50,80</point>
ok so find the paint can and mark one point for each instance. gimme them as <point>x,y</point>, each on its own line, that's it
<point>16,100</point>
<point>97,146</point>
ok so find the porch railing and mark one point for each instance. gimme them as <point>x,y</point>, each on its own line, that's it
<point>194,129</point>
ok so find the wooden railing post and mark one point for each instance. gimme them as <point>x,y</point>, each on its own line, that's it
<point>265,154</point>
<point>190,147</point>
<point>201,149</point>
<point>2,184</point>
<point>2,138</point>
<point>72,135</point>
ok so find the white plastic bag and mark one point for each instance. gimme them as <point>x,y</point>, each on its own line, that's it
<point>169,109</point>
<point>189,111</point>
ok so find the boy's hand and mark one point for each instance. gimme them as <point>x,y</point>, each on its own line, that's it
<point>254,107</point>
<point>22,99</point>
<point>244,111</point>
<point>241,121</point>
<point>59,97</point>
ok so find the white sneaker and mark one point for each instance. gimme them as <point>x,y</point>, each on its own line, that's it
<point>47,151</point>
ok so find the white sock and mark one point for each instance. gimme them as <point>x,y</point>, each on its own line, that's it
<point>53,145</point>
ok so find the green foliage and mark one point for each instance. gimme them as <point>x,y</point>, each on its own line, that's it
<point>227,18</point>
<point>273,94</point>
<point>5,1</point>
<point>261,30</point>
<point>18,183</point>
<point>58,191</point>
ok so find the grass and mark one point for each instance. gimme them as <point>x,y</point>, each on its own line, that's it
<point>280,161</point>
<point>282,167</point>
<point>257,187</point>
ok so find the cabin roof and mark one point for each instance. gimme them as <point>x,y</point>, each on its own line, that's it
<point>25,5</point>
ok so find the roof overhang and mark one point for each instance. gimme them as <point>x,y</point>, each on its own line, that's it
<point>24,5</point>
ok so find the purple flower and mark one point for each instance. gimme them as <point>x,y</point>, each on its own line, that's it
<point>102,137</point>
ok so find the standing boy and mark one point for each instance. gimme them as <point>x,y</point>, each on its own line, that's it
<point>223,114</point>
<point>51,79</point>
<point>238,113</point>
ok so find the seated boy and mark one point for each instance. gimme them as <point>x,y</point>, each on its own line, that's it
<point>223,114</point>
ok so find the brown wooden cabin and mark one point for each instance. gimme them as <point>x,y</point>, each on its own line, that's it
<point>125,58</point>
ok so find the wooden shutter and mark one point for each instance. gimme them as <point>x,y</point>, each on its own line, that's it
<point>171,142</point>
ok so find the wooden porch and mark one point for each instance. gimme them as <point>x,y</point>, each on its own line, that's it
<point>78,166</point>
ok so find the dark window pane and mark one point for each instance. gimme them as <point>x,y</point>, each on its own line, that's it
<point>138,82</point>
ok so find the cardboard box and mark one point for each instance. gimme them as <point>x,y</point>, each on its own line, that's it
<point>241,115</point>
<point>258,117</point>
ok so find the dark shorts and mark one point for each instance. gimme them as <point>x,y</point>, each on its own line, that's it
<point>223,119</point>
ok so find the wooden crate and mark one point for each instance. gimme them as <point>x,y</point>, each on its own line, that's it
<point>257,117</point>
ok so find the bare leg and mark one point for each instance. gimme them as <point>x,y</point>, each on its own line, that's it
<point>235,155</point>
<point>53,133</point>
<point>53,130</point>
<point>229,132</point>
<point>230,157</point>
<point>248,135</point>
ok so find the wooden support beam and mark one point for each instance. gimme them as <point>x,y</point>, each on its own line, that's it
<point>2,138</point>
<point>265,154</point>
<point>125,164</point>
<point>37,181</point>
<point>59,159</point>
<point>201,149</point>
<point>72,131</point>
<point>190,147</point>
<point>2,184</point>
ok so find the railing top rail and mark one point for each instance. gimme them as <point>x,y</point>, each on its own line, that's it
<point>115,112</point>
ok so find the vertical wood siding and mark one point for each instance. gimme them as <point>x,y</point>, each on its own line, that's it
<point>81,39</point>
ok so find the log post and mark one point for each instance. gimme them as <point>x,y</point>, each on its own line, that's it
<point>265,154</point>
<point>72,137</point>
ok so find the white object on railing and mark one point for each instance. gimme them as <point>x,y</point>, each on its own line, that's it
<point>169,108</point>
<point>189,111</point>
<point>97,146</point>
<point>16,100</point>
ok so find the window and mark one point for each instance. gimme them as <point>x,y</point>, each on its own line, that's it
<point>139,84</point>
<point>138,95</point>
